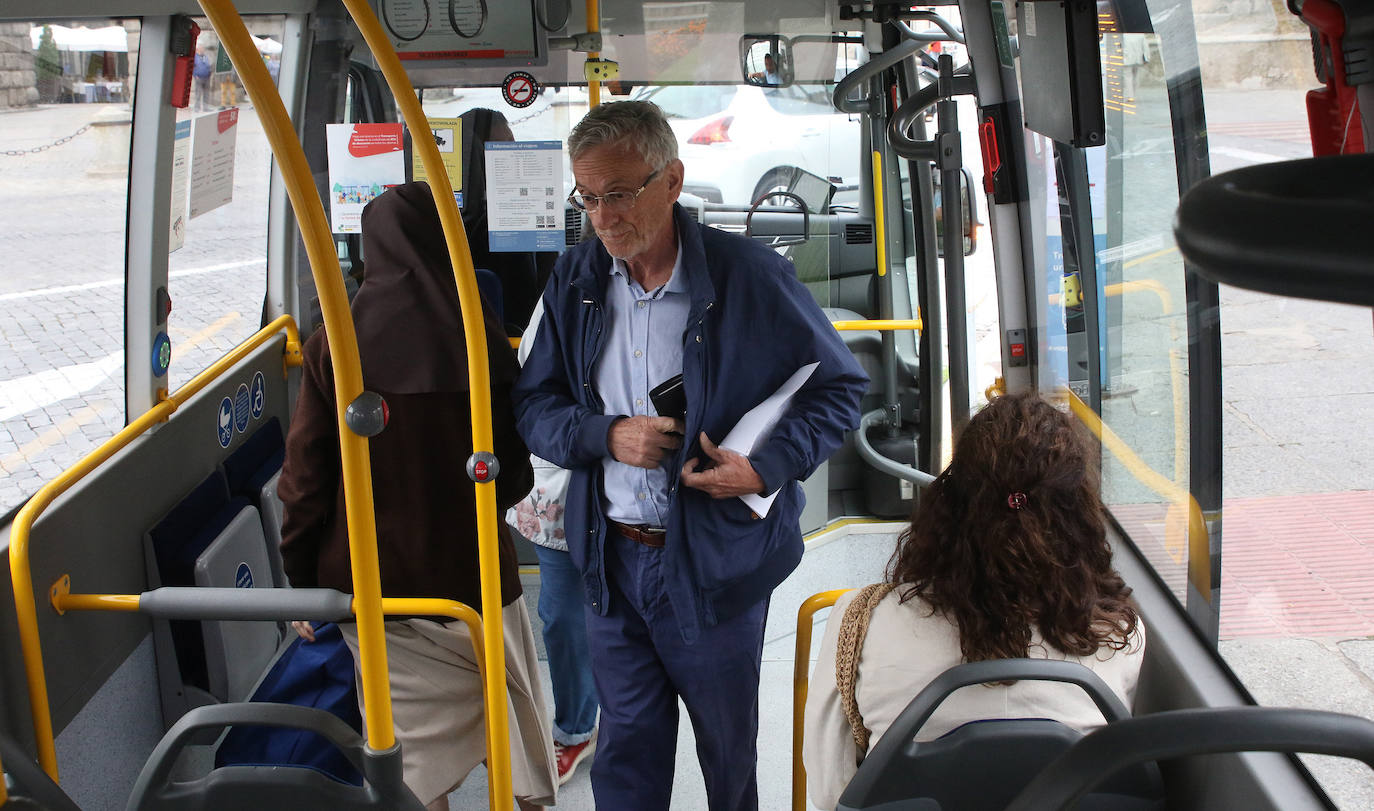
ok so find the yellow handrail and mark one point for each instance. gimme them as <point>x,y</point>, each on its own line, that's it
<point>881,324</point>
<point>64,601</point>
<point>479,389</point>
<point>1199,555</point>
<point>343,351</point>
<point>593,27</point>
<point>801,664</point>
<point>26,611</point>
<point>880,211</point>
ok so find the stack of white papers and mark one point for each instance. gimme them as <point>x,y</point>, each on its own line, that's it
<point>753,428</point>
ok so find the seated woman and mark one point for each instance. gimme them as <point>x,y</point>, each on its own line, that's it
<point>1006,557</point>
<point>412,349</point>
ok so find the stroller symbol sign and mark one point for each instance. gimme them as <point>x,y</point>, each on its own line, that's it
<point>225,424</point>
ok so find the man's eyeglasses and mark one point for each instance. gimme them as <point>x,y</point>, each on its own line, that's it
<point>615,200</point>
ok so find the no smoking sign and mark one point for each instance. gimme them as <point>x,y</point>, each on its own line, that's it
<point>519,89</point>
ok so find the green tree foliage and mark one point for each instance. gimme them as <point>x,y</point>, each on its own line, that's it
<point>48,64</point>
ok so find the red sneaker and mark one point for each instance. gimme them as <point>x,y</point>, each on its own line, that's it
<point>568,757</point>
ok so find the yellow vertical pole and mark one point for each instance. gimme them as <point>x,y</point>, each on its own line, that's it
<point>880,211</point>
<point>479,388</point>
<point>343,350</point>
<point>594,27</point>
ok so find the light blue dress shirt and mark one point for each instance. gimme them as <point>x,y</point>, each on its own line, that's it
<point>643,348</point>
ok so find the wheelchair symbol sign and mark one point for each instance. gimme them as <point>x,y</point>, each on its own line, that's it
<point>225,424</point>
<point>257,396</point>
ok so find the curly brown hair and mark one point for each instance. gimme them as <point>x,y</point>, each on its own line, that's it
<point>1010,538</point>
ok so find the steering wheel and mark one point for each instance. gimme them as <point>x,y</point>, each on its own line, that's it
<point>779,242</point>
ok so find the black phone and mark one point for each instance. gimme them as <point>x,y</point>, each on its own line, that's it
<point>669,398</point>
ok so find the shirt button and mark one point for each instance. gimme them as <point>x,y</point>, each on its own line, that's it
<point>643,304</point>
<point>642,496</point>
<point>639,354</point>
<point>639,402</point>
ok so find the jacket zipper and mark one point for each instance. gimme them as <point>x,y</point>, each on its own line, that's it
<point>690,440</point>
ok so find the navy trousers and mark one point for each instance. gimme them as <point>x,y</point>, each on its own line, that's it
<point>642,666</point>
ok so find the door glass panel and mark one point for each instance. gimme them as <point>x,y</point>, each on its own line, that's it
<point>1133,192</point>
<point>65,169</point>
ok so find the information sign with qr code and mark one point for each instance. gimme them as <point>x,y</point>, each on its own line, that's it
<point>525,199</point>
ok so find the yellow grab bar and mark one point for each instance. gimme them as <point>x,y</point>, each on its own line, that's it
<point>343,351</point>
<point>880,211</point>
<point>593,27</point>
<point>479,390</point>
<point>801,667</point>
<point>63,601</point>
<point>25,608</point>
<point>880,324</point>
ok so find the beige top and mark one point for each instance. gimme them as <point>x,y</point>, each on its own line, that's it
<point>906,648</point>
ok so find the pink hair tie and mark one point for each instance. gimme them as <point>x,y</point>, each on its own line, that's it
<point>1016,500</point>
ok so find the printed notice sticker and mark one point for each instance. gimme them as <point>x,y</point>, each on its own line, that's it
<point>212,160</point>
<point>448,139</point>
<point>364,161</point>
<point>525,195</point>
<point>181,173</point>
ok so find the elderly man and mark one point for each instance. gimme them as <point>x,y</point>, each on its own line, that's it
<point>676,569</point>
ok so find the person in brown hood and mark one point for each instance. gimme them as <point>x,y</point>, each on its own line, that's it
<point>413,353</point>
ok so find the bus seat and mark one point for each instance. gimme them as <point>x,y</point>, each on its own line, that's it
<point>983,765</point>
<point>209,538</point>
<point>237,652</point>
<point>230,788</point>
<point>252,471</point>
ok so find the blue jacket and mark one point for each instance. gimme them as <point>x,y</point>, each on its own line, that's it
<point>751,325</point>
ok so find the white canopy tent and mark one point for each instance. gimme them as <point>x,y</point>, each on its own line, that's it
<point>110,38</point>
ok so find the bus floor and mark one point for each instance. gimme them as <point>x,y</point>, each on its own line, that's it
<point>846,557</point>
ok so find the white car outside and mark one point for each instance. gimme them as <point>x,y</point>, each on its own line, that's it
<point>738,141</point>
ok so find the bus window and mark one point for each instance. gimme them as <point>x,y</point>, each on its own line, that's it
<point>1296,397</point>
<point>65,160</point>
<point>216,275</point>
<point>1142,318</point>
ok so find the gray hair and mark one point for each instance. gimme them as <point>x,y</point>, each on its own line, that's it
<point>640,124</point>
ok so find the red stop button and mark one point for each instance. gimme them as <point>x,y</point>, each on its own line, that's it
<point>480,471</point>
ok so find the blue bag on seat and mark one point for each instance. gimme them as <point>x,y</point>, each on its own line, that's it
<point>308,674</point>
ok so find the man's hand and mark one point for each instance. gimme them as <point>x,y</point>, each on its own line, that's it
<point>304,629</point>
<point>732,475</point>
<point>643,441</point>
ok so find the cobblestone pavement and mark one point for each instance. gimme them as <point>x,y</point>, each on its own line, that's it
<point>62,286</point>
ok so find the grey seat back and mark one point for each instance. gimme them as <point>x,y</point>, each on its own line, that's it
<point>237,653</point>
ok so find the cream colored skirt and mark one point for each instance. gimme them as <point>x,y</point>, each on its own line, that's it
<point>436,701</point>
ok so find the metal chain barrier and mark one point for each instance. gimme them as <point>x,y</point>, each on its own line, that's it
<point>36,149</point>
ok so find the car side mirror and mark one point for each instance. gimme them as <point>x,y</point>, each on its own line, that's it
<point>970,211</point>
<point>765,60</point>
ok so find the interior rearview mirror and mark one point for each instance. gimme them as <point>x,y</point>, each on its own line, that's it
<point>765,60</point>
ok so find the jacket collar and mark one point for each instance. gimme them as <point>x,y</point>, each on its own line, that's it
<point>592,276</point>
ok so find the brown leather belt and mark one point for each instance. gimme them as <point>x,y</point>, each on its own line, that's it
<point>641,533</point>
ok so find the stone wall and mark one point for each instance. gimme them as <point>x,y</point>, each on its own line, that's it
<point>1252,44</point>
<point>17,80</point>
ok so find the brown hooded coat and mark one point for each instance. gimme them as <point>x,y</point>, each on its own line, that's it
<point>410,339</point>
